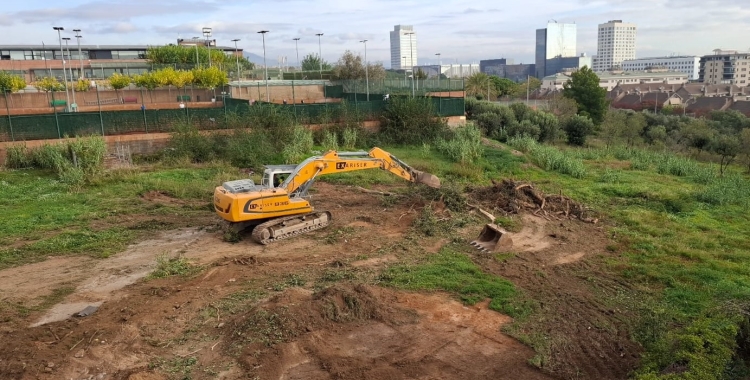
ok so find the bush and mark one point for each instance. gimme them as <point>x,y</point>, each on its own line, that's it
<point>524,128</point>
<point>300,146</point>
<point>410,121</point>
<point>75,161</point>
<point>578,128</point>
<point>549,158</point>
<point>18,157</point>
<point>329,141</point>
<point>463,145</point>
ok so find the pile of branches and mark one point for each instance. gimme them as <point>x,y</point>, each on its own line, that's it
<point>511,197</point>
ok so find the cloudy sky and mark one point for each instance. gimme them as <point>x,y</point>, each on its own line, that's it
<point>462,31</point>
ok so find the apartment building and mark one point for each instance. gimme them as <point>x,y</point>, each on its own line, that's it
<point>616,43</point>
<point>725,67</point>
<point>611,79</point>
<point>688,64</point>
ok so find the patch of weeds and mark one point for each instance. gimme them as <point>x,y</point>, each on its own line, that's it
<point>454,271</point>
<point>610,176</point>
<point>267,327</point>
<point>336,235</point>
<point>430,223</point>
<point>509,223</point>
<point>335,275</point>
<point>172,266</point>
<point>175,366</point>
<point>290,280</point>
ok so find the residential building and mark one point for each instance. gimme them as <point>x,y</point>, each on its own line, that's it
<point>688,64</point>
<point>96,61</point>
<point>611,79</point>
<point>488,66</point>
<point>560,64</point>
<point>616,43</point>
<point>403,47</point>
<point>556,40</point>
<point>725,67</point>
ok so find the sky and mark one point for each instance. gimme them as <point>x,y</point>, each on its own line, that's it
<point>461,31</point>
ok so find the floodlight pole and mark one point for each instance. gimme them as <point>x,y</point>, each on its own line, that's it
<point>367,75</point>
<point>73,90</point>
<point>65,76</point>
<point>411,61</point>
<point>207,34</point>
<point>265,66</point>
<point>237,55</point>
<point>320,56</point>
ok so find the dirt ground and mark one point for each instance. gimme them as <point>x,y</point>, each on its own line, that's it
<point>311,307</point>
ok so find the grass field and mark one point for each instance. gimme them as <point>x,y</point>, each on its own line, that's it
<point>680,231</point>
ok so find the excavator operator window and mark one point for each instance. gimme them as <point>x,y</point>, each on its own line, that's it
<point>278,180</point>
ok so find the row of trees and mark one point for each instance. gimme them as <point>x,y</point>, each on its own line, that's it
<point>349,67</point>
<point>492,87</point>
<point>194,55</point>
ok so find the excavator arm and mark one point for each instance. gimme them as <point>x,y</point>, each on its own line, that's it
<point>332,162</point>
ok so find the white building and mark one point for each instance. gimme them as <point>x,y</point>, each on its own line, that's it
<point>403,47</point>
<point>458,70</point>
<point>688,64</point>
<point>610,79</point>
<point>616,43</point>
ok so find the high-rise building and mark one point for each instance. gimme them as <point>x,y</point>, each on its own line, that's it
<point>616,43</point>
<point>403,47</point>
<point>725,67</point>
<point>556,40</point>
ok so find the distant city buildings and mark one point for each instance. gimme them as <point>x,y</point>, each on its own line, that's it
<point>611,79</point>
<point>493,66</point>
<point>403,47</point>
<point>616,43</point>
<point>556,40</point>
<point>688,64</point>
<point>460,70</point>
<point>560,64</point>
<point>725,67</point>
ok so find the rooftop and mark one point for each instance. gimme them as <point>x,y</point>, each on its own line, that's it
<point>663,57</point>
<point>623,74</point>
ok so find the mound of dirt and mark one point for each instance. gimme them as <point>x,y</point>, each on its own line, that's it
<point>361,332</point>
<point>512,197</point>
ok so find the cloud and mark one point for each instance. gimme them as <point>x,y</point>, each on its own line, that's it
<point>117,28</point>
<point>106,10</point>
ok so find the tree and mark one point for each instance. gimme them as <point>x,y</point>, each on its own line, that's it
<point>312,62</point>
<point>186,55</point>
<point>612,127</point>
<point>583,87</point>
<point>503,86</point>
<point>562,107</point>
<point>11,82</point>
<point>578,128</point>
<point>549,126</point>
<point>420,74</point>
<point>351,66</point>
<point>48,84</point>
<point>727,147</point>
<point>745,146</point>
<point>82,85</point>
<point>182,78</point>
<point>148,80</point>
<point>209,77</point>
<point>526,87</point>
<point>119,81</point>
<point>480,85</point>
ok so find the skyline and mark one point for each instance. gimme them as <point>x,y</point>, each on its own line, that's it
<point>461,34</point>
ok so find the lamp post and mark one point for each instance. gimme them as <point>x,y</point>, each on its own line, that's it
<point>65,76</point>
<point>367,74</point>
<point>296,48</point>
<point>207,34</point>
<point>73,90</point>
<point>80,56</point>
<point>197,61</point>
<point>411,60</point>
<point>440,69</point>
<point>265,66</point>
<point>320,55</point>
<point>402,65</point>
<point>237,55</point>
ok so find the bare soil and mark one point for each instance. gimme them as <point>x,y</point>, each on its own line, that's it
<point>310,307</point>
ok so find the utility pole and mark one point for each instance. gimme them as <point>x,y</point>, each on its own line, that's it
<point>320,55</point>
<point>440,69</point>
<point>296,48</point>
<point>73,90</point>
<point>263,33</point>
<point>207,34</point>
<point>411,52</point>
<point>367,75</point>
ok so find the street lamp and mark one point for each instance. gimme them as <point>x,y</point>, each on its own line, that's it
<point>296,48</point>
<point>65,76</point>
<point>71,70</point>
<point>237,55</point>
<point>411,60</point>
<point>263,33</point>
<point>320,55</point>
<point>80,57</point>
<point>402,65</point>
<point>367,75</point>
<point>197,61</point>
<point>440,70</point>
<point>207,34</point>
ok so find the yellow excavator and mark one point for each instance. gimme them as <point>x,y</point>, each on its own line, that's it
<point>278,208</point>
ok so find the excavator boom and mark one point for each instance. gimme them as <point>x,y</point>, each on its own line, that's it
<point>280,209</point>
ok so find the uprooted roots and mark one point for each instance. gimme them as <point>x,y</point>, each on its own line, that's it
<point>512,197</point>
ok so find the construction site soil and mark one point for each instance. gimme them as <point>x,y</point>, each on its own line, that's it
<point>313,307</point>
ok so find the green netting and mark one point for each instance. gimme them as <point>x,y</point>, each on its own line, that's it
<point>334,91</point>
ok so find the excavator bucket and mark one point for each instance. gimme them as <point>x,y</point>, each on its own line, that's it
<point>493,239</point>
<point>427,179</point>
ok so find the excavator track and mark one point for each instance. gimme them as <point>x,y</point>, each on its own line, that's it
<point>287,227</point>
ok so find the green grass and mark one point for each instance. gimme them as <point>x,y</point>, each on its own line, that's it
<point>45,217</point>
<point>172,266</point>
<point>453,271</point>
<point>684,240</point>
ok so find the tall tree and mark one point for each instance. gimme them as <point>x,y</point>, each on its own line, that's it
<point>119,81</point>
<point>528,86</point>
<point>503,86</point>
<point>583,87</point>
<point>480,85</point>
<point>311,62</point>
<point>177,54</point>
<point>420,74</point>
<point>351,66</point>
<point>210,77</point>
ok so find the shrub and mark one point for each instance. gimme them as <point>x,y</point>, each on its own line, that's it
<point>75,161</point>
<point>18,157</point>
<point>349,138</point>
<point>524,128</point>
<point>549,158</point>
<point>578,128</point>
<point>410,121</point>
<point>300,146</point>
<point>329,141</point>
<point>463,145</point>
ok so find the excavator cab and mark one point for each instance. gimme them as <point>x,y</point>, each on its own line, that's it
<point>275,175</point>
